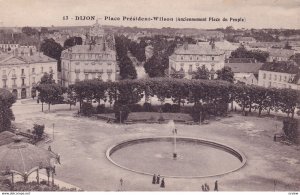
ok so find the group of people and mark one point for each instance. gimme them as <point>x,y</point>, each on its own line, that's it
<point>205,187</point>
<point>156,180</point>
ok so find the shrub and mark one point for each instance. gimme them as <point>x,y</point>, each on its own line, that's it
<point>135,108</point>
<point>147,107</point>
<point>38,130</point>
<point>175,108</point>
<point>87,109</point>
<point>100,109</point>
<point>289,128</point>
<point>123,110</point>
<point>167,107</point>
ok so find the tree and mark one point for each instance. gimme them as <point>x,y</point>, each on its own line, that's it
<point>70,42</point>
<point>154,67</point>
<point>47,78</point>
<point>127,70</point>
<point>287,46</point>
<point>53,50</point>
<point>242,52</point>
<point>44,30</point>
<point>29,31</point>
<point>201,73</point>
<point>226,74</point>
<point>50,94</point>
<point>6,114</point>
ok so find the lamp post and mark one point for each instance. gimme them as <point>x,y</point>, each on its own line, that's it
<point>53,130</point>
<point>174,151</point>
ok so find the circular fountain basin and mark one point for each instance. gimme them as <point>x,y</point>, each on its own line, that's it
<point>195,157</point>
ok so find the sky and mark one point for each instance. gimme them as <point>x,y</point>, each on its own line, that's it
<point>256,13</point>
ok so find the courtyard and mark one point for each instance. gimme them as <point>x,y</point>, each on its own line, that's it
<point>82,143</point>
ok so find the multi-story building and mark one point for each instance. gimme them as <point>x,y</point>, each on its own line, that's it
<point>279,75</point>
<point>96,59</point>
<point>19,74</point>
<point>189,57</point>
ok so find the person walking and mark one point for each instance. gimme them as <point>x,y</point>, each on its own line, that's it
<point>216,186</point>
<point>121,184</point>
<point>162,185</point>
<point>206,187</point>
<point>203,189</point>
<point>158,179</point>
<point>154,179</point>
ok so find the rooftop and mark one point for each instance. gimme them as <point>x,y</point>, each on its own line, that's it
<point>88,49</point>
<point>281,52</point>
<point>244,67</point>
<point>200,49</point>
<point>282,66</point>
<point>35,58</point>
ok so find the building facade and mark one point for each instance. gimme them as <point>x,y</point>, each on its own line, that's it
<point>95,59</point>
<point>277,76</point>
<point>189,57</point>
<point>19,74</point>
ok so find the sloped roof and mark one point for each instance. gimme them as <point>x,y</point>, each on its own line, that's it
<point>286,53</point>
<point>244,67</point>
<point>35,58</point>
<point>281,66</point>
<point>198,49</point>
<point>87,49</point>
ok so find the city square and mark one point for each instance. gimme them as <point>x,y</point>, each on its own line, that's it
<point>83,142</point>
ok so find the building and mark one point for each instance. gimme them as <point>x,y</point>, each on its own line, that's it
<point>279,75</point>
<point>19,74</point>
<point>246,40</point>
<point>245,78</point>
<point>188,57</point>
<point>95,59</point>
<point>279,54</point>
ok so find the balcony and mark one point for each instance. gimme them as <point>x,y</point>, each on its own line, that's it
<point>23,75</point>
<point>14,76</point>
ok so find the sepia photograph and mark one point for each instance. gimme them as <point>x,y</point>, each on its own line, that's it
<point>149,96</point>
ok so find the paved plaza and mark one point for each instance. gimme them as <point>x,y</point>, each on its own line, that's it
<point>82,143</point>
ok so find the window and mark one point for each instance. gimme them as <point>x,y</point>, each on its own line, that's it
<point>42,69</point>
<point>4,83</point>
<point>279,77</point>
<point>33,79</point>
<point>86,76</point>
<point>23,81</point>
<point>270,76</point>
<point>77,75</point>
<point>93,75</point>
<point>50,70</point>
<point>252,81</point>
<point>264,75</point>
<point>275,77</point>
<point>212,58</point>
<point>109,76</point>
<point>190,68</point>
<point>284,78</point>
<point>181,57</point>
<point>270,84</point>
<point>13,71</point>
<point>191,58</point>
<point>22,71</point>
<point>33,70</point>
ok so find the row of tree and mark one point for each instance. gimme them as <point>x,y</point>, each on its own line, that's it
<point>183,91</point>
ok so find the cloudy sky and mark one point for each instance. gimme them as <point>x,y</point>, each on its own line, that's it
<point>257,13</point>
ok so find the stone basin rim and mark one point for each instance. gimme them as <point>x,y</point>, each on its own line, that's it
<point>216,144</point>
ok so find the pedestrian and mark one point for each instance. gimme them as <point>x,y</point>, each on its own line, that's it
<point>203,189</point>
<point>154,179</point>
<point>162,185</point>
<point>206,187</point>
<point>216,186</point>
<point>121,184</point>
<point>158,179</point>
